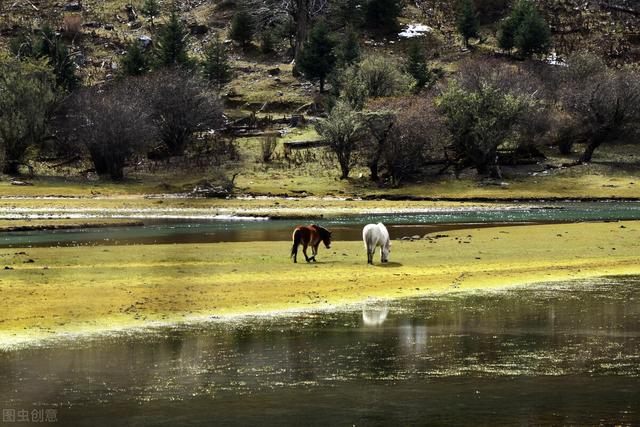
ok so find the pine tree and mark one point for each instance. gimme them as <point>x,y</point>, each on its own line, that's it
<point>267,41</point>
<point>135,62</point>
<point>468,24</point>
<point>150,9</point>
<point>349,49</point>
<point>349,12</point>
<point>171,48</point>
<point>216,64</point>
<point>48,45</point>
<point>417,66</point>
<point>534,35</point>
<point>242,30</point>
<point>318,58</point>
<point>382,15</point>
<point>525,30</point>
<point>64,67</point>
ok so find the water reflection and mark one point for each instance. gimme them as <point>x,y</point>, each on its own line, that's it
<point>563,354</point>
<point>374,313</point>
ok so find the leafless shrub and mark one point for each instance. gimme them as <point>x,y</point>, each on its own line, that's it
<point>605,103</point>
<point>405,133</point>
<point>112,124</point>
<point>268,145</point>
<point>181,104</point>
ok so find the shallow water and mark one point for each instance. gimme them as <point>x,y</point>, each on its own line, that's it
<point>174,230</point>
<point>553,353</point>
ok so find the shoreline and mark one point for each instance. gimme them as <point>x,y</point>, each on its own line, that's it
<point>258,209</point>
<point>100,288</point>
<point>18,225</point>
<point>333,198</point>
<point>26,342</point>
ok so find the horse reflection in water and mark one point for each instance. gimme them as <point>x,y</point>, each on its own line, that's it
<point>374,314</point>
<point>413,338</point>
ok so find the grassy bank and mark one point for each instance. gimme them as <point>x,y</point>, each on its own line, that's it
<point>48,291</point>
<point>63,224</point>
<point>576,183</point>
<point>272,207</point>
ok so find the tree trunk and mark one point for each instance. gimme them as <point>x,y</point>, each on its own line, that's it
<point>321,84</point>
<point>588,152</point>
<point>495,171</point>
<point>487,165</point>
<point>373,167</point>
<point>10,168</point>
<point>345,171</point>
<point>344,161</point>
<point>302,28</point>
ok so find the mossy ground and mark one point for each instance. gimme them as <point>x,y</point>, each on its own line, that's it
<point>97,289</point>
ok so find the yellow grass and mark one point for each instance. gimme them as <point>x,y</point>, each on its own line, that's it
<point>97,289</point>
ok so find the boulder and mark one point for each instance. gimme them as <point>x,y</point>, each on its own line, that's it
<point>74,6</point>
<point>145,41</point>
<point>198,29</point>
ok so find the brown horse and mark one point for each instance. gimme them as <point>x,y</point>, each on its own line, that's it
<point>309,235</point>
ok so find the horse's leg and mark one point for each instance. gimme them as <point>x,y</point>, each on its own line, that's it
<point>314,251</point>
<point>296,243</point>
<point>304,251</point>
<point>370,253</point>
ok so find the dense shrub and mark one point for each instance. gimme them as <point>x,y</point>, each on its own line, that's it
<point>26,101</point>
<point>484,109</point>
<point>343,129</point>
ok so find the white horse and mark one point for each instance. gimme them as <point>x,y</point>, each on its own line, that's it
<point>375,235</point>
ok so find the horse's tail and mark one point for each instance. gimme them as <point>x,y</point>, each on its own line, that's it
<point>297,237</point>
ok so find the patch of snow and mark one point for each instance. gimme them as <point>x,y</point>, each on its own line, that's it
<point>554,59</point>
<point>415,30</point>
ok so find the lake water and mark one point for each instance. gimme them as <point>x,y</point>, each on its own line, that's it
<point>546,354</point>
<point>175,230</point>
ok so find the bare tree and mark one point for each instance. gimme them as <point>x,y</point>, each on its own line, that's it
<point>181,104</point>
<point>405,134</point>
<point>604,103</point>
<point>112,123</point>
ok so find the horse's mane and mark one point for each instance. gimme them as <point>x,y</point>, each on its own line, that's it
<point>323,231</point>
